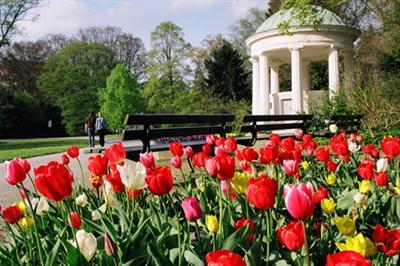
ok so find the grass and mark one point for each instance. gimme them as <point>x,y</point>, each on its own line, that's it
<point>27,148</point>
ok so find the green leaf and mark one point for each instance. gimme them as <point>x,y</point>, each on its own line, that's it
<point>192,259</point>
<point>346,201</point>
<point>157,257</point>
<point>236,238</point>
<point>398,208</point>
<point>53,254</point>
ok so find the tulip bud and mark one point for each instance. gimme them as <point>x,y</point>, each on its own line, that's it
<point>41,205</point>
<point>109,245</point>
<point>361,199</point>
<point>96,181</point>
<point>212,166</point>
<point>328,205</point>
<point>220,151</point>
<point>364,186</point>
<point>212,223</point>
<point>75,220</point>
<point>147,159</point>
<point>381,165</point>
<point>25,222</point>
<point>192,209</point>
<point>188,152</point>
<point>299,134</point>
<point>64,159</point>
<point>11,214</point>
<point>206,148</point>
<point>333,128</point>
<point>73,151</point>
<point>87,243</point>
<point>81,200</point>
<point>345,224</point>
<point>176,162</point>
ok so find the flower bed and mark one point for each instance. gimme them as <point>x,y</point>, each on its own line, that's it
<point>291,202</point>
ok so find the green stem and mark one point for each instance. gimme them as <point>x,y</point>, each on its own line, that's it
<point>221,231</point>
<point>198,238</point>
<point>68,210</point>
<point>33,184</point>
<point>179,231</point>
<point>268,235</point>
<point>35,225</point>
<point>246,203</point>
<point>306,244</point>
<point>80,167</point>
<point>14,237</point>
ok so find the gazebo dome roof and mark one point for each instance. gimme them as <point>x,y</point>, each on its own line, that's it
<point>327,19</point>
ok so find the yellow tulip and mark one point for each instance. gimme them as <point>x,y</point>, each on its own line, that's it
<point>364,186</point>
<point>397,188</point>
<point>212,223</point>
<point>345,224</point>
<point>359,244</point>
<point>331,178</point>
<point>305,165</point>
<point>21,205</point>
<point>240,182</point>
<point>25,222</point>
<point>328,205</point>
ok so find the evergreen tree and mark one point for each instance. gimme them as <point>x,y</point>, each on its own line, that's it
<point>121,96</point>
<point>225,75</point>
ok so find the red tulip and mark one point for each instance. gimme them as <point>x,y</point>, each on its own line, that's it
<point>291,235</point>
<point>54,181</point>
<point>348,258</point>
<point>75,220</point>
<point>299,200</point>
<point>245,166</point>
<point>366,169</point>
<point>116,154</point>
<point>115,180</point>
<point>249,154</point>
<point>299,134</point>
<point>12,214</point>
<point>370,150</point>
<point>331,165</point>
<point>176,162</point>
<point>261,192</point>
<point>291,167</point>
<point>199,159</point>
<point>192,209</point>
<point>188,152</point>
<point>160,181</point>
<point>320,194</point>
<point>96,181</point>
<point>242,223</point>
<point>147,160</point>
<point>226,167</point>
<point>64,159</point>
<point>230,144</point>
<point>287,144</point>
<point>268,153</point>
<point>176,148</point>
<point>391,146</point>
<point>389,240</point>
<point>224,258</point>
<point>206,148</point>
<point>227,189</point>
<point>212,166</point>
<point>16,170</point>
<point>73,151</point>
<point>381,179</point>
<point>97,165</point>
<point>275,139</point>
<point>210,139</point>
<point>135,193</point>
<point>220,151</point>
<point>219,142</point>
<point>322,154</point>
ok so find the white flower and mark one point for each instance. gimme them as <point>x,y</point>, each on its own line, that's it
<point>96,215</point>
<point>381,165</point>
<point>361,198</point>
<point>87,244</point>
<point>333,128</point>
<point>108,192</point>
<point>81,200</point>
<point>103,208</point>
<point>41,205</point>
<point>353,147</point>
<point>133,175</point>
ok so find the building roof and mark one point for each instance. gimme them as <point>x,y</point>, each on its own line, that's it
<point>327,19</point>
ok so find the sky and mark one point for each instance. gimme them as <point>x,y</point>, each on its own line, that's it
<point>198,18</point>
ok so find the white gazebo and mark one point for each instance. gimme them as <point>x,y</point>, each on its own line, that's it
<point>332,41</point>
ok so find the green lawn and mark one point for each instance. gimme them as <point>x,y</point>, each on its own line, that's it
<point>26,148</point>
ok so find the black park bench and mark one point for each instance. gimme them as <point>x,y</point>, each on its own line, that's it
<point>149,129</point>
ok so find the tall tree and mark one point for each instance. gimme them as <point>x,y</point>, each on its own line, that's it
<point>121,96</point>
<point>225,75</point>
<point>12,11</point>
<point>128,50</point>
<point>72,78</point>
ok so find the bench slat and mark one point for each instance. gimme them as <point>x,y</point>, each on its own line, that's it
<point>183,131</point>
<point>158,119</point>
<point>280,126</point>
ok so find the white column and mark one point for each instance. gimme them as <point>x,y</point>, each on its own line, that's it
<point>305,84</point>
<point>296,81</point>
<point>333,62</point>
<point>275,88</point>
<point>348,69</point>
<point>264,85</point>
<point>256,88</point>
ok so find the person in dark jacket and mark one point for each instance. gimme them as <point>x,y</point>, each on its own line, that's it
<point>101,128</point>
<point>90,124</point>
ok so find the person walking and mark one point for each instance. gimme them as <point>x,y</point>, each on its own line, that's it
<point>90,124</point>
<point>101,128</point>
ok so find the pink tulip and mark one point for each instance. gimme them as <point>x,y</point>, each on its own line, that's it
<point>299,200</point>
<point>210,139</point>
<point>192,209</point>
<point>220,151</point>
<point>226,187</point>
<point>176,162</point>
<point>291,167</point>
<point>147,159</point>
<point>188,152</point>
<point>16,170</point>
<point>212,166</point>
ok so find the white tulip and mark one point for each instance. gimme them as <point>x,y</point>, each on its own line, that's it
<point>381,165</point>
<point>361,198</point>
<point>41,205</point>
<point>87,244</point>
<point>353,147</point>
<point>108,192</point>
<point>96,215</point>
<point>133,175</point>
<point>81,200</point>
<point>333,128</point>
